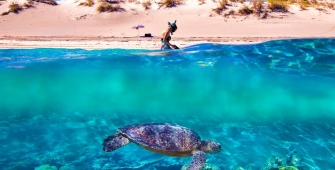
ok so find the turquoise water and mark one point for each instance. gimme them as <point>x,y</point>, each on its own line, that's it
<point>262,102</point>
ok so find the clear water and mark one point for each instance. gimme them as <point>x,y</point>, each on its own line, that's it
<point>261,102</point>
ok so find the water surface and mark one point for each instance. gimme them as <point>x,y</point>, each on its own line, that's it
<point>260,101</point>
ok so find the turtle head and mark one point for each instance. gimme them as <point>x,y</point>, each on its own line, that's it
<point>111,143</point>
<point>210,146</point>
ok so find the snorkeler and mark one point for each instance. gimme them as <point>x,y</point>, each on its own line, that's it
<point>166,36</point>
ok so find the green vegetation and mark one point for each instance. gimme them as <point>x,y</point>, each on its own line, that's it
<point>221,7</point>
<point>88,3</point>
<point>146,4</point>
<point>278,5</point>
<point>105,7</point>
<point>170,3</point>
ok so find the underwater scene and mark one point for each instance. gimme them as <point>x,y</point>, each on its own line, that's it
<point>270,105</point>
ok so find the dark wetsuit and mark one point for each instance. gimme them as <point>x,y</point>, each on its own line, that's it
<point>164,45</point>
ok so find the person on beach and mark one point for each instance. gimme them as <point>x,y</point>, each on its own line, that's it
<point>166,36</point>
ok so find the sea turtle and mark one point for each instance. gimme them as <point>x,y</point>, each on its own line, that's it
<point>164,138</point>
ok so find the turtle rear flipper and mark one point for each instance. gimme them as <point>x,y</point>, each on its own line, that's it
<point>198,160</point>
<point>114,142</point>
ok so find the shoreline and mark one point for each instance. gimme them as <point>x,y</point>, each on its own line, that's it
<point>100,42</point>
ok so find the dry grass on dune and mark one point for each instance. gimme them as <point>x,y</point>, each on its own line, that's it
<point>319,5</point>
<point>111,1</point>
<point>105,7</point>
<point>50,2</point>
<point>14,8</point>
<point>170,3</point>
<point>245,10</point>
<point>304,4</point>
<point>257,6</point>
<point>88,3</point>
<point>278,5</point>
<point>201,2</point>
<point>236,1</point>
<point>261,9</point>
<point>28,4</point>
<point>133,1</point>
<point>230,13</point>
<point>4,13</point>
<point>146,4</point>
<point>221,7</point>
<point>331,5</point>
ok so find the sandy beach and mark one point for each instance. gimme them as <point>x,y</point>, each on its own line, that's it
<point>69,25</point>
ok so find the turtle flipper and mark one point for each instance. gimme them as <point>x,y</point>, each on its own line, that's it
<point>111,143</point>
<point>198,160</point>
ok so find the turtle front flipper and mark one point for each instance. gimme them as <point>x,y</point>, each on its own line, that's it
<point>198,160</point>
<point>111,143</point>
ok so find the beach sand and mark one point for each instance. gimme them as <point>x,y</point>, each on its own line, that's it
<point>68,25</point>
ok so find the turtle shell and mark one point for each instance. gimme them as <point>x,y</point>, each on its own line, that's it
<point>163,138</point>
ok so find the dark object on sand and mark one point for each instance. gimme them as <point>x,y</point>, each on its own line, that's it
<point>147,35</point>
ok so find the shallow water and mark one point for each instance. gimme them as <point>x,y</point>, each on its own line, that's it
<point>260,101</point>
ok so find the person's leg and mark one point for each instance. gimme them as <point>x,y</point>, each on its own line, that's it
<point>166,47</point>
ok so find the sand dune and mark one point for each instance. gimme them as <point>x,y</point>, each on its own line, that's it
<point>67,19</point>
